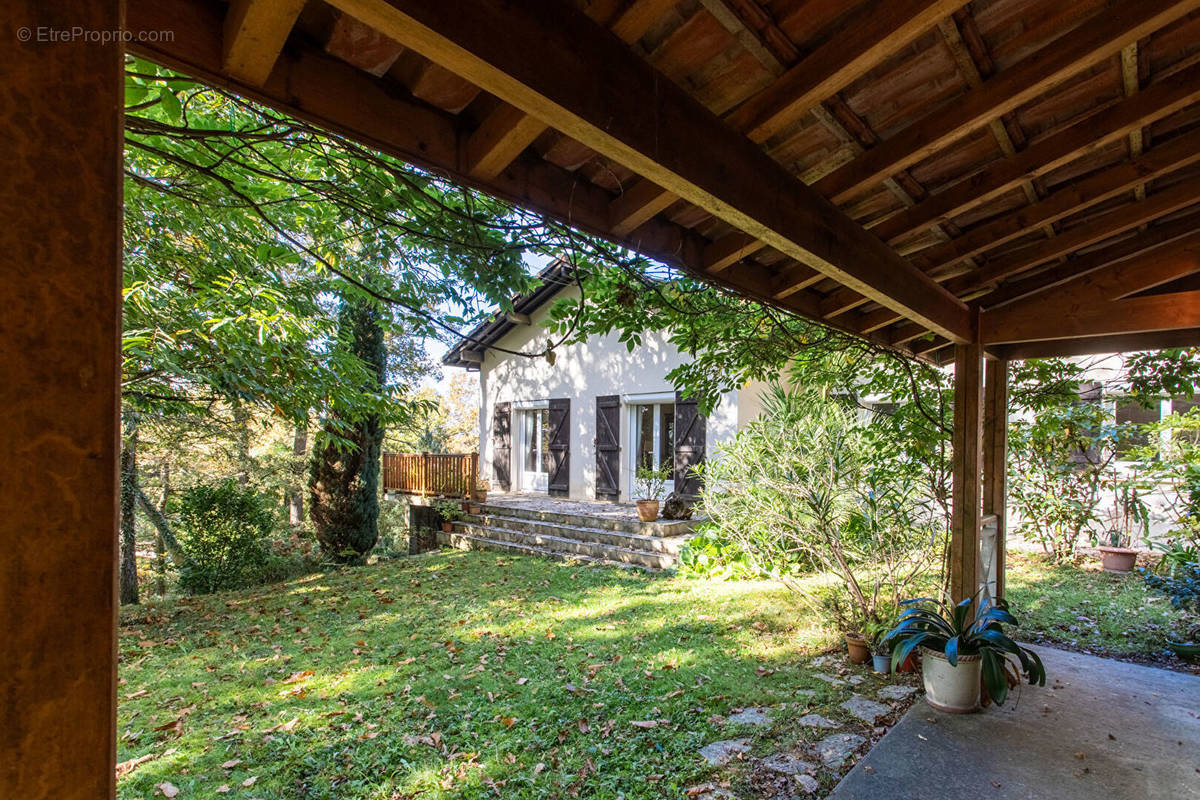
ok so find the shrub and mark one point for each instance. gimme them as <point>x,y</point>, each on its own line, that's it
<point>811,486</point>
<point>1182,586</point>
<point>223,530</point>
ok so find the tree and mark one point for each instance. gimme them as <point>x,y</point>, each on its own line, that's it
<point>344,483</point>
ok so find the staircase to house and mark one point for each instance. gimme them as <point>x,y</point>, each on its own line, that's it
<point>598,539</point>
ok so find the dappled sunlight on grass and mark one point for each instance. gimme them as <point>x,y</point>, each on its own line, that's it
<point>454,675</point>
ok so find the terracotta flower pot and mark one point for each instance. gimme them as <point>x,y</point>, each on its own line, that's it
<point>860,651</point>
<point>479,495</point>
<point>447,527</point>
<point>474,508</point>
<point>954,689</point>
<point>909,665</point>
<point>647,510</point>
<point>1117,559</point>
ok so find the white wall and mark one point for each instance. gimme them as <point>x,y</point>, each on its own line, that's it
<point>601,366</point>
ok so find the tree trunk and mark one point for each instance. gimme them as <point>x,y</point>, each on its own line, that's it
<point>128,575</point>
<point>241,419</point>
<point>161,526</point>
<point>160,545</point>
<point>295,497</point>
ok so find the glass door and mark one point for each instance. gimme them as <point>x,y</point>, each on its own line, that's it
<point>653,441</point>
<point>535,449</point>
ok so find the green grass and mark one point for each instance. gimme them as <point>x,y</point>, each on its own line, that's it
<point>1083,607</point>
<point>462,675</point>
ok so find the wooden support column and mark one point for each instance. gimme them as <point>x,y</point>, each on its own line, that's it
<point>60,258</point>
<point>995,458</point>
<point>967,471</point>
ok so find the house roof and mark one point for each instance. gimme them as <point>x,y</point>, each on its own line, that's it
<point>921,173</point>
<point>468,351</point>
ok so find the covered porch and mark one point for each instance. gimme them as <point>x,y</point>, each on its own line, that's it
<point>962,183</point>
<point>1098,728</point>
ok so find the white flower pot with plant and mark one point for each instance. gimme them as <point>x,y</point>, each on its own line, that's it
<point>962,651</point>
<point>648,486</point>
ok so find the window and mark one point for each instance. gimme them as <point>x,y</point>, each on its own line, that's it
<point>654,435</point>
<point>537,443</point>
<point>1130,413</point>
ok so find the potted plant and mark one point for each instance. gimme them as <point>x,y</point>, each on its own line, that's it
<point>479,491</point>
<point>960,650</point>
<point>1129,512</point>
<point>649,485</point>
<point>857,647</point>
<point>449,511</point>
<point>875,634</point>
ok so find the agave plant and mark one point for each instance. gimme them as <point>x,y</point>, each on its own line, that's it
<point>957,632</point>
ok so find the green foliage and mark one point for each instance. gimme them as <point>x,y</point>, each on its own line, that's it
<point>223,530</point>
<point>449,510</point>
<point>963,630</point>
<point>344,480</point>
<point>650,483</point>
<point>811,486</point>
<point>1057,469</point>
<point>1182,585</point>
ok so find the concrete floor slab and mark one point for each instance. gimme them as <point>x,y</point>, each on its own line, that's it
<point>1098,729</point>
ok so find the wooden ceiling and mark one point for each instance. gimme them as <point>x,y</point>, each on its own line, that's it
<point>1021,173</point>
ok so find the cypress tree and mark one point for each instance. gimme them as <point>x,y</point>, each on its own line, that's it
<point>344,477</point>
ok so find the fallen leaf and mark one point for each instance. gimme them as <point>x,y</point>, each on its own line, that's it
<point>250,781</point>
<point>645,723</point>
<point>231,763</point>
<point>168,789</point>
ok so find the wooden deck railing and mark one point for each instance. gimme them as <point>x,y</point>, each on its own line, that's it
<point>444,474</point>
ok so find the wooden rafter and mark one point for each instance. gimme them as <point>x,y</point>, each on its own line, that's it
<point>1084,137</point>
<point>634,117</point>
<point>255,31</point>
<point>1097,304</point>
<point>1110,223</point>
<point>1099,38</point>
<point>838,63</point>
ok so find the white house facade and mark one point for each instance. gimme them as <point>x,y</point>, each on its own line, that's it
<point>580,426</point>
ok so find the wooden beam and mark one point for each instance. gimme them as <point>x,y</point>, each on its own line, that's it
<point>1092,305</point>
<point>499,140</point>
<point>995,460</point>
<point>795,279</point>
<point>1111,223</point>
<point>1095,345</point>
<point>966,472</point>
<point>517,318</point>
<point>255,31</point>
<point>1082,138</point>
<point>846,57</point>
<point>1156,237</point>
<point>1074,197</point>
<point>633,116</point>
<point>634,207</point>
<point>730,249</point>
<point>1100,37</point>
<point>60,338</point>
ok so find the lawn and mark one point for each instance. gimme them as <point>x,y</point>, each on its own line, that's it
<point>1081,607</point>
<point>470,675</point>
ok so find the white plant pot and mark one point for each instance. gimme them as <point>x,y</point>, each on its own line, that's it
<point>951,689</point>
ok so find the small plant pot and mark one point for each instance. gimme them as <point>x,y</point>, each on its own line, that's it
<point>909,664</point>
<point>953,689</point>
<point>474,508</point>
<point>447,527</point>
<point>465,505</point>
<point>647,510</point>
<point>857,647</point>
<point>479,495</point>
<point>882,664</point>
<point>1118,559</point>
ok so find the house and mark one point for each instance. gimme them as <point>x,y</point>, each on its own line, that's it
<point>580,425</point>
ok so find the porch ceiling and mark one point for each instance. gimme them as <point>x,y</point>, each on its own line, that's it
<point>917,172</point>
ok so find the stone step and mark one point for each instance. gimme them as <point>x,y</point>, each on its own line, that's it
<point>561,544</point>
<point>622,524</point>
<point>463,541</point>
<point>632,541</point>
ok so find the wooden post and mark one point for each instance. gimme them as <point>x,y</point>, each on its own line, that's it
<point>60,332</point>
<point>967,471</point>
<point>995,457</point>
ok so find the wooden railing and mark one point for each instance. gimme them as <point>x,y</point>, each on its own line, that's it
<point>425,474</point>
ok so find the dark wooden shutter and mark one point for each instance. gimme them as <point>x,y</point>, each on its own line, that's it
<point>558,483</point>
<point>608,447</point>
<point>502,446</point>
<point>689,445</point>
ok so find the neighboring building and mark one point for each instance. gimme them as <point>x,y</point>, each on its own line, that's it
<point>579,427</point>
